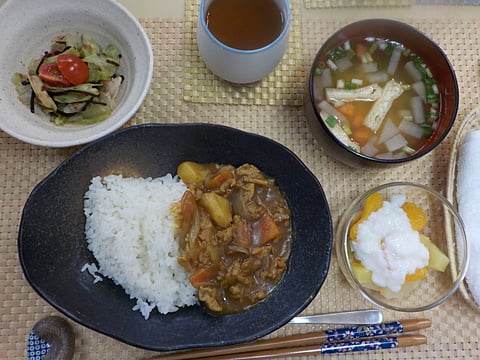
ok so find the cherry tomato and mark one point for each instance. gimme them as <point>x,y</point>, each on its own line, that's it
<point>73,68</point>
<point>50,73</point>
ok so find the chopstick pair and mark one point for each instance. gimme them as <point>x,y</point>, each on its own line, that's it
<point>358,338</point>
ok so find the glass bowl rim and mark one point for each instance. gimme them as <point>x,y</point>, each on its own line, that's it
<point>342,257</point>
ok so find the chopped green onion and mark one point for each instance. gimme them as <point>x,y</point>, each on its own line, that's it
<point>331,121</point>
<point>427,129</point>
<point>373,48</point>
<point>318,71</point>
<point>407,117</point>
<point>408,150</point>
<point>336,53</point>
<point>350,53</point>
<point>350,85</point>
<point>417,60</point>
<point>347,130</point>
<point>389,49</point>
<point>429,81</point>
<point>432,117</point>
<point>433,98</point>
<point>421,68</point>
<point>429,73</point>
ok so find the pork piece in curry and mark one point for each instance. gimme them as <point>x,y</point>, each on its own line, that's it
<point>235,234</point>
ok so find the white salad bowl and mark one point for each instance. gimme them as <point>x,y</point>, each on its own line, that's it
<point>28,27</point>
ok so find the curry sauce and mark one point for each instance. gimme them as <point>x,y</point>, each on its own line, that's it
<point>235,234</point>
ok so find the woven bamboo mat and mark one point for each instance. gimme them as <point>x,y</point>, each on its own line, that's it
<point>448,2</point>
<point>325,4</point>
<point>455,332</point>
<point>201,85</point>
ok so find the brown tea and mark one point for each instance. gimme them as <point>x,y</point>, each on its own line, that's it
<point>245,24</point>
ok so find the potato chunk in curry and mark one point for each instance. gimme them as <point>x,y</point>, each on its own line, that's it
<point>235,234</point>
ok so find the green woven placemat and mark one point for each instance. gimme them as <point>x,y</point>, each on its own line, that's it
<point>279,88</point>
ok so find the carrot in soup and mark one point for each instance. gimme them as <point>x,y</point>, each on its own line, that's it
<point>384,98</point>
<point>361,134</point>
<point>360,49</point>
<point>357,120</point>
<point>354,113</point>
<point>347,109</point>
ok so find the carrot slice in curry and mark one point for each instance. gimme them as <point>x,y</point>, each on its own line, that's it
<point>218,179</point>
<point>203,275</point>
<point>268,230</point>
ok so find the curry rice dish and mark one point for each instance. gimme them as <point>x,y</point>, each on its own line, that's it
<point>214,233</point>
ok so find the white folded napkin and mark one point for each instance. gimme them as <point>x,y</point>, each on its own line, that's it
<point>468,200</point>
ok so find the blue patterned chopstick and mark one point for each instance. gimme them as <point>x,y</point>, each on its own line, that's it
<point>366,331</point>
<point>357,338</point>
<point>328,348</point>
<point>373,344</point>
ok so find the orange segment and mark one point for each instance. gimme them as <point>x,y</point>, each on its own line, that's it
<point>372,204</point>
<point>419,274</point>
<point>416,215</point>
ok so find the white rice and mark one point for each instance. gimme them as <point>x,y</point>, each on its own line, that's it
<point>130,230</point>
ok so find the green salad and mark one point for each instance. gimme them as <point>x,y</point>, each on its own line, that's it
<point>76,82</point>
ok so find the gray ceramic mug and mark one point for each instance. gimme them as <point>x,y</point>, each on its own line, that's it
<point>241,66</point>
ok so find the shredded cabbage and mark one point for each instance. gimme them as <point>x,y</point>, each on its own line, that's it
<point>87,103</point>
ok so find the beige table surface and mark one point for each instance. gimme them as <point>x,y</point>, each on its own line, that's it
<point>174,97</point>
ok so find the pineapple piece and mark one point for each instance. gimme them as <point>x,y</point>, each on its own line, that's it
<point>438,260</point>
<point>363,275</point>
<point>406,288</point>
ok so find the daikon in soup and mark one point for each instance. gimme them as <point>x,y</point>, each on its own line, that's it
<point>377,97</point>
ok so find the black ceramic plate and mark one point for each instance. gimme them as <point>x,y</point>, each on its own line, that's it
<point>52,248</point>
